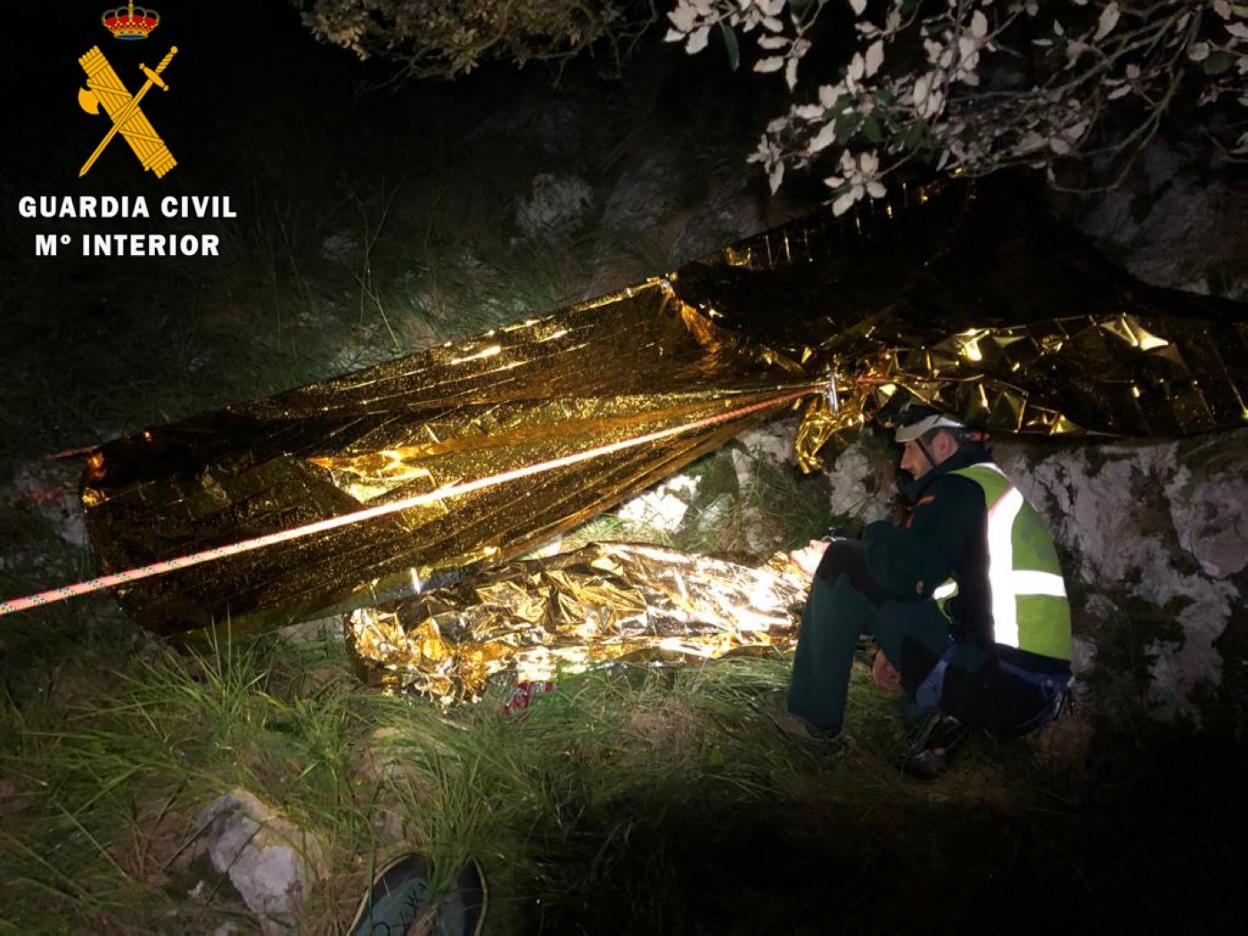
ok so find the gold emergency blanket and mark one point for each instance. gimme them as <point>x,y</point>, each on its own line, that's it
<point>602,603</point>
<point>972,296</point>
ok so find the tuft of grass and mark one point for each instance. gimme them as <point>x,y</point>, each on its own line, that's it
<point>103,794</point>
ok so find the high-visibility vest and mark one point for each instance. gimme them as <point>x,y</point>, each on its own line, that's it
<point>1029,606</point>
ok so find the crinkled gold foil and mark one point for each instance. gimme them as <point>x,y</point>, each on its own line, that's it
<point>598,604</point>
<point>619,368</point>
<point>975,297</point>
<point>970,295</point>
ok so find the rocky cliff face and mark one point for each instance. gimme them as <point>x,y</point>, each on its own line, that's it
<point>1154,542</point>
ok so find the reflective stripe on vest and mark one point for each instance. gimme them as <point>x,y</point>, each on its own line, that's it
<point>1029,607</point>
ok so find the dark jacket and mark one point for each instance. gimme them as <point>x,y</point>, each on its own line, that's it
<point>943,534</point>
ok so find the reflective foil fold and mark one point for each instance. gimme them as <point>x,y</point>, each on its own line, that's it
<point>622,368</point>
<point>976,298</point>
<point>972,296</point>
<point>599,604</point>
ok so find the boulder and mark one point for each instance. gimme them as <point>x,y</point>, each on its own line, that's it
<point>557,204</point>
<point>1174,226</point>
<point>270,861</point>
<point>644,193</point>
<point>1157,533</point>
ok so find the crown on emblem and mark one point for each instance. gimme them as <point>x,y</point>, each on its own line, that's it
<point>130,22</point>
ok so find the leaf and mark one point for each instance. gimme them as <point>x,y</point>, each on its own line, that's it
<point>845,127</point>
<point>829,95</point>
<point>979,24</point>
<point>843,204</point>
<point>1198,51</point>
<point>823,139</point>
<point>859,6</point>
<point>730,45</point>
<point>1217,63</point>
<point>871,129</point>
<point>775,63</point>
<point>875,57</point>
<point>790,73</point>
<point>775,175</point>
<point>683,17</point>
<point>1107,22</point>
<point>697,40</point>
<point>911,136</point>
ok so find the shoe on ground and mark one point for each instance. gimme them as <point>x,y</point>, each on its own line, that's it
<point>399,898</point>
<point>928,756</point>
<point>799,729</point>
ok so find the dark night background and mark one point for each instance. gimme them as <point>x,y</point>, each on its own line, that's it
<point>419,185</point>
<point>296,133</point>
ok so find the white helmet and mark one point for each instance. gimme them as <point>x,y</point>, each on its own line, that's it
<point>917,420</point>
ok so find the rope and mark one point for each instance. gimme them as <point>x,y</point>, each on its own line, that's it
<point>453,489</point>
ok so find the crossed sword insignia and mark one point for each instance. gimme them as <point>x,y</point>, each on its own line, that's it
<point>104,87</point>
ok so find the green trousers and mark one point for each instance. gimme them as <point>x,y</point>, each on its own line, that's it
<point>832,621</point>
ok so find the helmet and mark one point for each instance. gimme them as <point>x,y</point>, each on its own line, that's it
<point>917,419</point>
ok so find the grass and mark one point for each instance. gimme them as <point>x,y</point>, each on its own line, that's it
<point>102,793</point>
<point>630,800</point>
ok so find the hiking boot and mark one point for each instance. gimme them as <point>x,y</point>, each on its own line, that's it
<point>928,755</point>
<point>399,898</point>
<point>776,707</point>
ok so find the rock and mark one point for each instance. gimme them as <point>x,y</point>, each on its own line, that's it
<point>388,767</point>
<point>732,211</point>
<point>715,513</point>
<point>1082,664</point>
<point>664,506</point>
<point>549,122</point>
<point>864,478</point>
<point>772,441</point>
<point>1176,228</point>
<point>316,631</point>
<point>340,247</point>
<point>644,193</point>
<point>52,487</point>
<point>1209,507</point>
<point>558,204</point>
<point>771,444</point>
<point>272,863</point>
<point>744,464</point>
<point>1151,523</point>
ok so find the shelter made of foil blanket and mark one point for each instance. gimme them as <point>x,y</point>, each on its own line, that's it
<point>970,295</point>
<point>602,603</point>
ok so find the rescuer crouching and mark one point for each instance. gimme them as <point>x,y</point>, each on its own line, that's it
<point>963,595</point>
